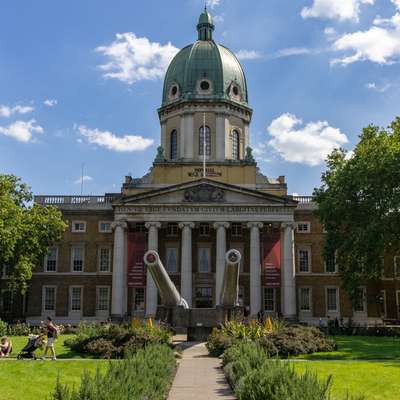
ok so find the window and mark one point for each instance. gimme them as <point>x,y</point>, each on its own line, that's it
<point>174,145</point>
<point>105,227</point>
<point>396,266</point>
<point>140,227</point>
<point>269,299</point>
<point>139,296</point>
<point>383,303</point>
<point>204,297</point>
<point>172,230</point>
<point>204,85</point>
<point>103,298</point>
<point>104,259</point>
<point>49,298</point>
<point>208,141</point>
<point>305,299</point>
<point>204,229</point>
<point>304,260</point>
<point>332,299</point>
<point>78,226</point>
<point>76,298</point>
<point>50,261</point>
<point>360,300</point>
<point>77,259</point>
<point>236,229</point>
<point>303,227</point>
<point>204,259</point>
<point>330,264</point>
<point>172,260</point>
<point>235,145</point>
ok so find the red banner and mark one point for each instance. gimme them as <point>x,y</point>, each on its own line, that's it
<point>136,249</point>
<point>271,260</point>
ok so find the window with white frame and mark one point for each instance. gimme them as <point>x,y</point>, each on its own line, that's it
<point>50,260</point>
<point>172,260</point>
<point>104,259</point>
<point>204,259</point>
<point>237,229</point>
<point>304,259</point>
<point>303,227</point>
<point>204,229</point>
<point>77,255</point>
<point>235,145</point>
<point>139,299</point>
<point>269,299</point>
<point>103,298</point>
<point>76,298</point>
<point>305,299</point>
<point>172,229</point>
<point>78,226</point>
<point>396,266</point>
<point>332,300</point>
<point>207,141</point>
<point>360,300</point>
<point>49,298</point>
<point>105,227</point>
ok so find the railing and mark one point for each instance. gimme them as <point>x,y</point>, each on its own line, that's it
<point>304,199</point>
<point>74,200</point>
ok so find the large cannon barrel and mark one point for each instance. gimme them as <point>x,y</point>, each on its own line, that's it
<point>170,296</point>
<point>230,284</point>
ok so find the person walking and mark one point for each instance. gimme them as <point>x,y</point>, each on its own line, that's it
<point>52,333</point>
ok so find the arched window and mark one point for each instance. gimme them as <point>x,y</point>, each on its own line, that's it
<point>235,145</point>
<point>208,141</point>
<point>174,145</point>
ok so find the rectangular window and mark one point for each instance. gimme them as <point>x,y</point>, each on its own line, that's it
<point>105,227</point>
<point>172,229</point>
<point>49,301</point>
<point>360,300</point>
<point>332,299</point>
<point>204,297</point>
<point>237,229</point>
<point>330,264</point>
<point>139,298</point>
<point>204,260</point>
<point>396,266</point>
<point>304,260</point>
<point>305,299</point>
<point>140,227</point>
<point>172,260</point>
<point>204,229</point>
<point>383,303</point>
<point>103,298</point>
<point>303,227</point>
<point>77,259</point>
<point>50,261</point>
<point>76,298</point>
<point>78,226</point>
<point>104,259</point>
<point>269,299</point>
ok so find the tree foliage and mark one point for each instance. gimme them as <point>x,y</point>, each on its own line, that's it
<point>26,230</point>
<point>359,205</point>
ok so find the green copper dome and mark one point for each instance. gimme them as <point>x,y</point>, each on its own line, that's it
<point>205,70</point>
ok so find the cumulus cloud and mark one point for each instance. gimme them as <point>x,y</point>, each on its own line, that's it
<point>309,144</point>
<point>23,131</point>
<point>213,3</point>
<point>82,179</point>
<point>292,51</point>
<point>113,142</point>
<point>50,102</point>
<point>335,9</point>
<point>131,59</point>
<point>6,111</point>
<point>248,55</point>
<point>378,88</point>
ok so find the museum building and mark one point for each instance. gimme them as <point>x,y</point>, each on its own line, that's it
<point>192,213</point>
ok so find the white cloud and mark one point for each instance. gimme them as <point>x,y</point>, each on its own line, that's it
<point>292,51</point>
<point>132,59</point>
<point>219,19</point>
<point>378,88</point>
<point>6,111</point>
<point>112,142</point>
<point>213,3</point>
<point>309,144</point>
<point>22,131</point>
<point>335,9</point>
<point>82,179</point>
<point>50,102</point>
<point>248,55</point>
<point>396,3</point>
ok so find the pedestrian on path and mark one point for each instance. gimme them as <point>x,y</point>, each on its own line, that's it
<point>52,333</point>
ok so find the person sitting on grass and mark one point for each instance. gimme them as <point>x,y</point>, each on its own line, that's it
<point>52,333</point>
<point>5,347</point>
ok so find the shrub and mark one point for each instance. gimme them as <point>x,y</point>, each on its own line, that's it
<point>3,328</point>
<point>19,329</point>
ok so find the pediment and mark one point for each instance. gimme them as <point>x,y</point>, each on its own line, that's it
<point>206,191</point>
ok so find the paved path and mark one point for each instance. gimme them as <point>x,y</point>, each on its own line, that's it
<point>199,377</point>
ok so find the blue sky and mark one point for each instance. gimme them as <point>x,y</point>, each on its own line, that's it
<point>318,71</point>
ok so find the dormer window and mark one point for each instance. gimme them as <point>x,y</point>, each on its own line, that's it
<point>173,92</point>
<point>235,92</point>
<point>204,86</point>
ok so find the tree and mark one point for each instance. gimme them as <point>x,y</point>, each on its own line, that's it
<point>26,231</point>
<point>359,205</point>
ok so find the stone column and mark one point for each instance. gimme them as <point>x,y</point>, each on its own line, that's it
<point>220,139</point>
<point>255,268</point>
<point>151,288</point>
<point>118,275</point>
<point>221,228</point>
<point>186,261</point>
<point>182,138</point>
<point>189,134</point>
<point>164,142</point>
<point>289,309</point>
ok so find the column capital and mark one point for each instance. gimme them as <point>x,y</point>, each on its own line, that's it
<point>182,225</point>
<point>217,225</point>
<point>149,225</point>
<point>287,225</point>
<point>119,224</point>
<point>258,225</point>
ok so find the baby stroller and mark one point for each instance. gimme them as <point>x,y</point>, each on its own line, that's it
<point>34,342</point>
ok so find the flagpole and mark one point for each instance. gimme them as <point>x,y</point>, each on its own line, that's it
<point>204,145</point>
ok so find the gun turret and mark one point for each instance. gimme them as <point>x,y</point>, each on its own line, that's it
<point>230,284</point>
<point>170,296</point>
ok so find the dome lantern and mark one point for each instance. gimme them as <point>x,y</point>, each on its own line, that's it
<point>205,27</point>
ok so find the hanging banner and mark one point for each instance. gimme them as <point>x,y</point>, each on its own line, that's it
<point>136,269</point>
<point>271,260</point>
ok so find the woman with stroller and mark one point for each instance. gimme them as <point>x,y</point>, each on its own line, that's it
<point>5,347</point>
<point>52,334</point>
